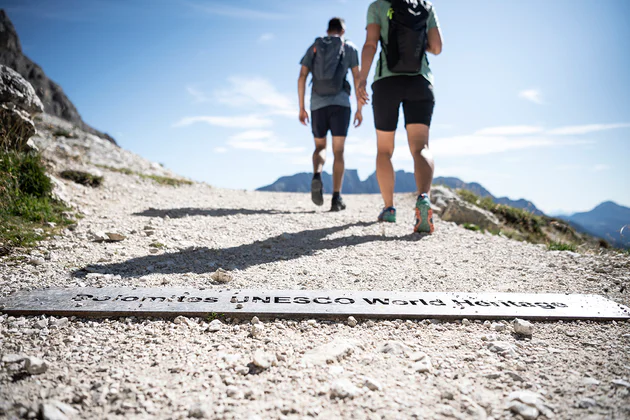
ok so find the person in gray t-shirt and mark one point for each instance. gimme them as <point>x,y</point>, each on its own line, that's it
<point>330,112</point>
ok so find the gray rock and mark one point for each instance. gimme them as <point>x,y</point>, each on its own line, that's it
<point>587,403</point>
<point>199,412</point>
<point>441,196</point>
<point>263,359</point>
<point>352,321</point>
<point>35,366</point>
<point>255,320</point>
<point>16,128</point>
<point>503,348</point>
<point>58,323</point>
<point>55,410</point>
<point>498,326</point>
<point>621,383</point>
<point>15,90</point>
<point>343,388</point>
<point>332,352</point>
<point>462,212</point>
<point>12,358</point>
<point>372,384</point>
<point>221,276</point>
<point>394,347</point>
<point>528,404</point>
<point>523,327</point>
<point>215,326</point>
<point>256,330</point>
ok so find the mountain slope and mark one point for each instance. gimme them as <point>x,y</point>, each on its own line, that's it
<point>604,221</point>
<point>55,101</point>
<point>405,183</point>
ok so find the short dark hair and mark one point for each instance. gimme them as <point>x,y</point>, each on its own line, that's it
<point>336,25</point>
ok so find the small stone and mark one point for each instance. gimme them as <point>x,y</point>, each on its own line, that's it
<point>255,320</point>
<point>523,327</point>
<point>99,236</point>
<point>528,404</point>
<point>621,383</point>
<point>232,391</point>
<point>239,306</point>
<point>331,352</point>
<point>12,358</point>
<point>515,376</point>
<point>41,324</point>
<point>498,326</point>
<point>369,323</point>
<point>242,370</point>
<point>36,261</point>
<point>526,411</point>
<point>35,366</point>
<point>343,388</point>
<point>587,403</point>
<point>198,412</point>
<point>115,237</point>
<point>590,382</point>
<point>215,326</point>
<point>394,347</point>
<point>180,320</point>
<point>501,347</point>
<point>372,384</point>
<point>263,359</point>
<point>221,276</point>
<point>466,321</point>
<point>352,321</point>
<point>256,330</point>
<point>423,365</point>
<point>59,323</point>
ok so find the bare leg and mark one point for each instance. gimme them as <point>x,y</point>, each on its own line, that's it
<point>319,155</point>
<point>339,163</point>
<point>418,136</point>
<point>384,168</point>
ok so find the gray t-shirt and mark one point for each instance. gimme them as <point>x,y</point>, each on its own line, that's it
<point>350,61</point>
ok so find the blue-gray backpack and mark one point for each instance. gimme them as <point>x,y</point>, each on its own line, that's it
<point>407,43</point>
<point>328,72</point>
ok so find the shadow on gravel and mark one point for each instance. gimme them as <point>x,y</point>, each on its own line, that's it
<point>192,211</point>
<point>278,248</point>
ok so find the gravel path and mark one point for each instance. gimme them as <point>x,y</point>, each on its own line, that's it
<point>230,368</point>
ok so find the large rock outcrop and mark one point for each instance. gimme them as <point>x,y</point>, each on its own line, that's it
<point>18,101</point>
<point>55,101</point>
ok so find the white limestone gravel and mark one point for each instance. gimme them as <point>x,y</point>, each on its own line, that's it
<point>190,367</point>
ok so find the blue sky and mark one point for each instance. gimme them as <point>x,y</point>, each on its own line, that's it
<point>532,96</point>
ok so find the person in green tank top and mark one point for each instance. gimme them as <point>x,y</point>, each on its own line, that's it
<point>415,23</point>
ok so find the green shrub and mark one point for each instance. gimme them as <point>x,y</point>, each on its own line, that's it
<point>27,207</point>
<point>471,226</point>
<point>560,246</point>
<point>83,178</point>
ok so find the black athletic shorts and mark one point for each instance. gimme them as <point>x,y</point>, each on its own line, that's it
<point>414,92</point>
<point>334,118</point>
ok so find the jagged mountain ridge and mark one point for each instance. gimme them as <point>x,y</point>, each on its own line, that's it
<point>405,182</point>
<point>55,101</point>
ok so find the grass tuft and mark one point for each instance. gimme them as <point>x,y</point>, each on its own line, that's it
<point>83,178</point>
<point>560,246</point>
<point>162,180</point>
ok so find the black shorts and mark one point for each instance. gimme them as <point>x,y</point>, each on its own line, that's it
<point>414,92</point>
<point>334,118</point>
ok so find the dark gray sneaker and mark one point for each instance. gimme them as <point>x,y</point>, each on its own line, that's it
<point>337,204</point>
<point>317,191</point>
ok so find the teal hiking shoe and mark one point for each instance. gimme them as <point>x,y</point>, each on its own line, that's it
<point>388,214</point>
<point>424,215</point>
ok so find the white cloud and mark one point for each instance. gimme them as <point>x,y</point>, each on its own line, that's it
<point>586,129</point>
<point>247,121</point>
<point>256,92</point>
<point>532,95</point>
<point>262,141</point>
<point>198,95</point>
<point>220,149</point>
<point>476,145</point>
<point>236,12</point>
<point>266,37</point>
<point>510,130</point>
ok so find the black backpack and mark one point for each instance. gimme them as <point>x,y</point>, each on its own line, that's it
<point>407,42</point>
<point>328,74</point>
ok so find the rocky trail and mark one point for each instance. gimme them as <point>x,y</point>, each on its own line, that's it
<point>137,368</point>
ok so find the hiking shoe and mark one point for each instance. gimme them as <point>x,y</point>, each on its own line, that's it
<point>424,215</point>
<point>317,191</point>
<point>337,204</point>
<point>388,214</point>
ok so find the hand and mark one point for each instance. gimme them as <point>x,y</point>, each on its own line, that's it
<point>362,96</point>
<point>304,117</point>
<point>358,118</point>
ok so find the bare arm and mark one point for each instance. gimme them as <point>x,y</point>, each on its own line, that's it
<point>434,41</point>
<point>367,58</point>
<point>356,76</point>
<point>304,71</point>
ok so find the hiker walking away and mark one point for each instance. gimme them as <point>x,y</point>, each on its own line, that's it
<point>407,30</point>
<point>329,59</point>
